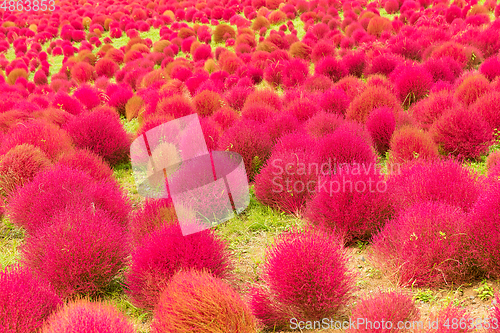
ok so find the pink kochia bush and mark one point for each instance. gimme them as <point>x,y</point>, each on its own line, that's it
<point>85,316</point>
<point>101,132</point>
<point>167,251</point>
<point>463,133</point>
<point>352,202</point>
<point>306,278</point>
<point>25,300</point>
<point>449,319</point>
<point>80,252</point>
<point>381,124</point>
<point>412,83</point>
<point>87,161</point>
<point>484,231</point>
<point>52,140</point>
<point>55,189</point>
<point>289,177</point>
<point>389,306</point>
<point>440,180</point>
<point>196,301</point>
<point>495,312</point>
<point>426,245</point>
<point>249,139</point>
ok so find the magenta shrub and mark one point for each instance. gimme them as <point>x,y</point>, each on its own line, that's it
<point>428,110</point>
<point>442,180</point>
<point>19,166</point>
<point>60,187</point>
<point>299,284</point>
<point>495,312</point>
<point>411,144</point>
<point>88,96</point>
<point>332,68</point>
<point>286,182</point>
<point>323,123</point>
<point>484,231</point>
<point>85,316</point>
<point>490,68</point>
<point>425,246</point>
<point>388,306</point>
<point>381,124</point>
<point>25,300</point>
<point>280,124</point>
<point>449,319</point>
<point>344,146</point>
<point>51,139</point>
<point>167,251</point>
<point>352,202</point>
<point>87,161</point>
<point>80,251</point>
<point>249,139</point>
<point>412,83</point>
<point>334,101</point>
<point>462,133</point>
<point>294,73</point>
<point>302,108</point>
<point>101,132</point>
<point>488,108</point>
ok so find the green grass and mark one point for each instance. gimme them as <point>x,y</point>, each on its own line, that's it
<point>11,237</point>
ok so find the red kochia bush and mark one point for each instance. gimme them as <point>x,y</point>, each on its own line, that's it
<point>370,99</point>
<point>332,68</point>
<point>471,88</point>
<point>19,166</point>
<point>449,319</point>
<point>153,214</point>
<point>294,73</point>
<point>490,68</point>
<point>488,107</point>
<point>299,284</point>
<point>353,202</point>
<point>381,124</point>
<point>425,246</point>
<point>106,67</point>
<point>344,146</point>
<point>82,72</point>
<point>249,139</point>
<point>88,96</point>
<point>428,110</point>
<point>484,231</point>
<point>85,316</point>
<point>79,252</point>
<point>334,101</point>
<point>25,300</point>
<point>409,144</point>
<point>52,140</point>
<point>102,133</point>
<point>389,306</point>
<point>323,123</point>
<point>54,190</point>
<point>87,161</point>
<point>167,251</point>
<point>442,181</point>
<point>68,103</point>
<point>196,301</point>
<point>463,133</point>
<point>287,180</point>
<point>495,312</point>
<point>412,83</point>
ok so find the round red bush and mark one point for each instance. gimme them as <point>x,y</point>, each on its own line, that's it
<point>51,139</point>
<point>442,181</point>
<point>205,300</point>
<point>323,123</point>
<point>381,124</point>
<point>471,88</point>
<point>25,300</point>
<point>426,246</point>
<point>87,161</point>
<point>88,96</point>
<point>332,68</point>
<point>352,202</point>
<point>299,284</point>
<point>19,166</point>
<point>428,110</point>
<point>249,139</point>
<point>371,98</point>
<point>389,307</point>
<point>463,133</point>
<point>86,316</point>
<point>294,73</point>
<point>106,67</point>
<point>488,108</point>
<point>82,72</point>
<point>102,133</point>
<point>79,252</point>
<point>412,83</point>
<point>411,144</point>
<point>60,187</point>
<point>166,252</point>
